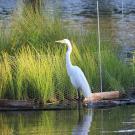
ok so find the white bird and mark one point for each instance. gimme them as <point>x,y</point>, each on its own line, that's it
<point>76,75</point>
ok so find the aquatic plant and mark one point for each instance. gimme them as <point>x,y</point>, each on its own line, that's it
<point>32,65</point>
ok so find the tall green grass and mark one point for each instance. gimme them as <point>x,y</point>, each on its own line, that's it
<point>32,65</point>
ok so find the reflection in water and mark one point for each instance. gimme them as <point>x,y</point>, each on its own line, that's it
<point>84,123</point>
<point>35,4</point>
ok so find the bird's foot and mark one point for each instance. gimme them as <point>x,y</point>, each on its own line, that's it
<point>80,99</point>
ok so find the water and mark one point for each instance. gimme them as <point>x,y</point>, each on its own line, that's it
<point>73,122</point>
<point>81,15</point>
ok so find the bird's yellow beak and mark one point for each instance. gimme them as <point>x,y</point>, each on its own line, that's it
<point>60,41</point>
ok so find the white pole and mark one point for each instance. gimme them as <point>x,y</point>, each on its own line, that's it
<point>122,10</point>
<point>99,49</point>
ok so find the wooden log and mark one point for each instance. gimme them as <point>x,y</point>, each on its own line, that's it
<point>16,103</point>
<point>110,103</point>
<point>24,105</point>
<point>95,97</point>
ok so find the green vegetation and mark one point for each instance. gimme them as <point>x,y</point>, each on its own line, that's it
<point>32,65</point>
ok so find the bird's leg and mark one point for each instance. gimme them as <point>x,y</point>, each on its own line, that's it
<point>79,99</point>
<point>82,98</point>
<point>79,95</point>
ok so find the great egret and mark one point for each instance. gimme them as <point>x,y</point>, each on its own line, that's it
<point>76,75</point>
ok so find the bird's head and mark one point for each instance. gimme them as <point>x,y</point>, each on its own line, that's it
<point>66,42</point>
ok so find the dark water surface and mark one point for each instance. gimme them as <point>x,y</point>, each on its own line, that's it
<point>119,120</point>
<point>81,15</point>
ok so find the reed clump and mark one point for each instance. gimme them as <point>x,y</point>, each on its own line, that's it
<point>32,65</point>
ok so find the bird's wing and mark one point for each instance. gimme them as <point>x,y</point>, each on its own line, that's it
<point>81,74</point>
<point>84,85</point>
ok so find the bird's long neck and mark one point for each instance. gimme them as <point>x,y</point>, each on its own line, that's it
<point>68,60</point>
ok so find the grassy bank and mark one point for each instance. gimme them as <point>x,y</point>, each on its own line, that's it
<point>32,65</point>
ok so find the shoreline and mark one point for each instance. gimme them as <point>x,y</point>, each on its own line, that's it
<point>30,105</point>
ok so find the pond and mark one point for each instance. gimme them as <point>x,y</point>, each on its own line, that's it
<point>73,122</point>
<point>117,24</point>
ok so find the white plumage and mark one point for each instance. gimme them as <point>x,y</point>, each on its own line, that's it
<point>76,75</point>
